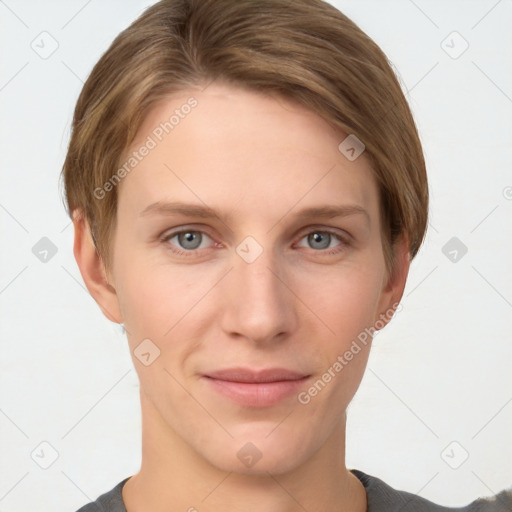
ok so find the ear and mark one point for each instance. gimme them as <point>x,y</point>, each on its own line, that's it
<point>93,270</point>
<point>393,289</point>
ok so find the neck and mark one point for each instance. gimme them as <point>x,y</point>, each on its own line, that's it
<point>174,477</point>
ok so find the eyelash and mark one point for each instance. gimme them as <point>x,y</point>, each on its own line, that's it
<point>191,253</point>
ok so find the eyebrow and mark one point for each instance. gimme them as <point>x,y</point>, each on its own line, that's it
<point>205,212</point>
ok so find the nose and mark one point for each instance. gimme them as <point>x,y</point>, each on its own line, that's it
<point>257,302</point>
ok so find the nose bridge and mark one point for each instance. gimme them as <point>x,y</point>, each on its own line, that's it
<point>258,305</point>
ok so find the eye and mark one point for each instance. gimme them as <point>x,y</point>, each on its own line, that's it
<point>321,240</point>
<point>189,242</point>
<point>187,239</point>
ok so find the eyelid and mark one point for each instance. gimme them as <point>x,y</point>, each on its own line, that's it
<point>326,229</point>
<point>170,232</point>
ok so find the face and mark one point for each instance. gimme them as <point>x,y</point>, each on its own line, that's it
<point>285,275</point>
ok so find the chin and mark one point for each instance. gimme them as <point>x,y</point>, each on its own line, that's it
<point>256,452</point>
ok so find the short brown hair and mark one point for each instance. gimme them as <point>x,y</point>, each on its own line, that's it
<point>304,50</point>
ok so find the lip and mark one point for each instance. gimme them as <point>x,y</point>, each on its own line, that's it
<point>256,388</point>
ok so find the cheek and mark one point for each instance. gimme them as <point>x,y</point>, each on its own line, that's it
<point>347,306</point>
<point>157,299</point>
<point>345,300</point>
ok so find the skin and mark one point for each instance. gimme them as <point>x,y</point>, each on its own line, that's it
<point>260,160</point>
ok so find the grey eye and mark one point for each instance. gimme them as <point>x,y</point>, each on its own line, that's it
<point>319,240</point>
<point>190,239</point>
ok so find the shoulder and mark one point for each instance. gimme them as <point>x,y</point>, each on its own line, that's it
<point>111,501</point>
<point>383,498</point>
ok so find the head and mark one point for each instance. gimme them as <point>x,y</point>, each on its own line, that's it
<point>243,109</point>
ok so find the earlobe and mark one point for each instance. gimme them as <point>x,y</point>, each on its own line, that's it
<point>93,270</point>
<point>394,288</point>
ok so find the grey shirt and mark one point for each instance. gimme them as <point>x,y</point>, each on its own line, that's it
<point>380,497</point>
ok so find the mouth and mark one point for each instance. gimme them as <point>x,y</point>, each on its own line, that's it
<point>256,388</point>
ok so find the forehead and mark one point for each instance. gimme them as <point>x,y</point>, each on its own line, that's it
<point>226,144</point>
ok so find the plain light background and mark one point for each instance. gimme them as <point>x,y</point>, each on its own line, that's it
<point>433,414</point>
